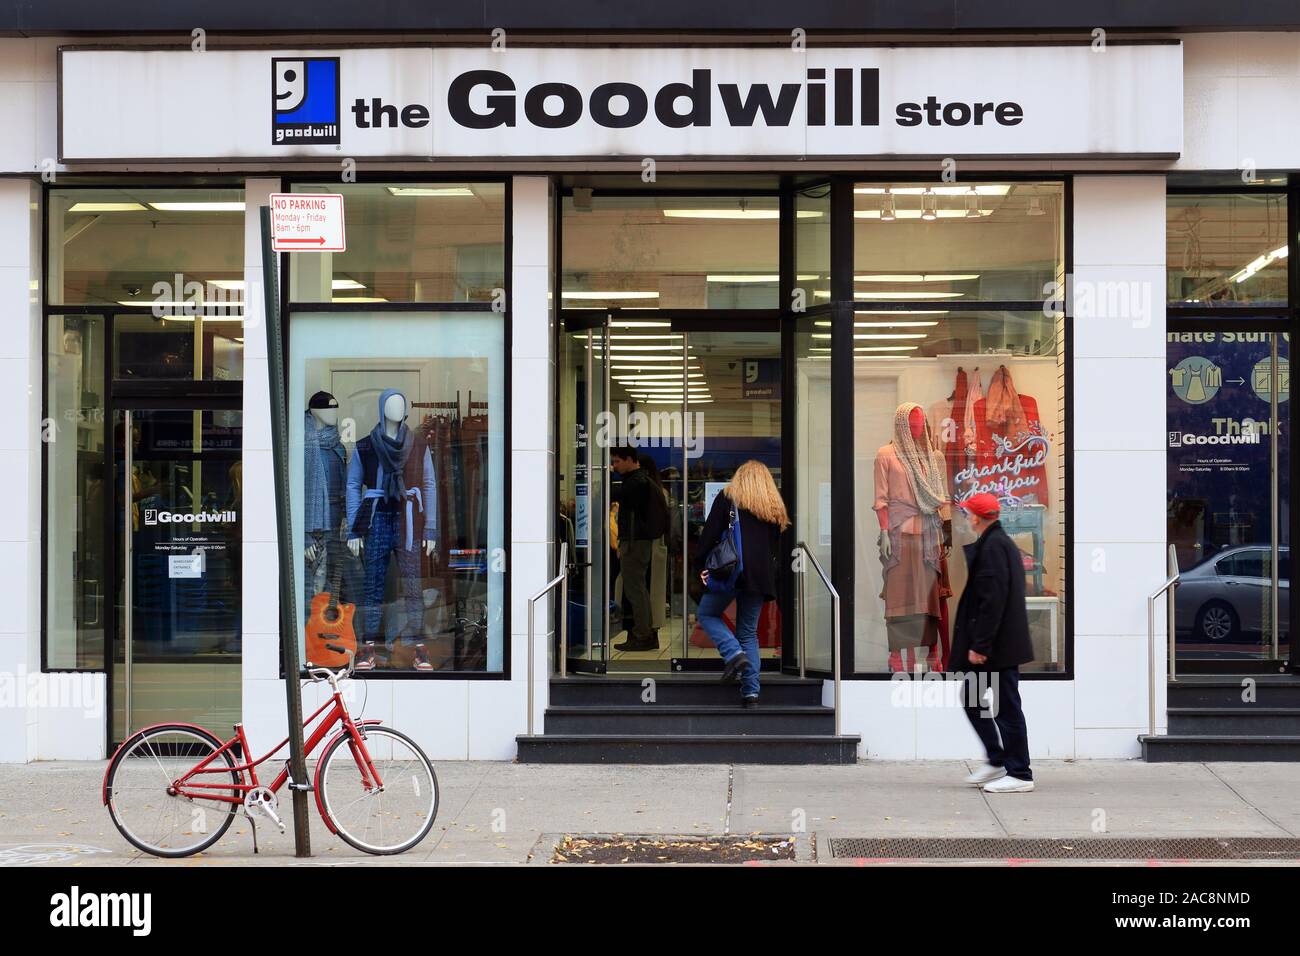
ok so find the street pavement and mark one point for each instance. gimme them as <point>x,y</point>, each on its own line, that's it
<point>507,813</point>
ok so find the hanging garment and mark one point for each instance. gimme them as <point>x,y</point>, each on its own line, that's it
<point>1012,448</point>
<point>948,420</point>
<point>970,419</point>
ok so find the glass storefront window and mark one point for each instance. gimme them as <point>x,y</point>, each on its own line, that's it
<point>957,399</point>
<point>665,251</point>
<point>1229,467</point>
<point>990,242</point>
<point>199,348</point>
<point>951,402</point>
<point>1226,249</point>
<point>397,478</point>
<point>78,495</point>
<point>129,246</point>
<point>409,242</point>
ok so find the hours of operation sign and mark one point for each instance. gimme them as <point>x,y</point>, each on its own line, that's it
<point>307,222</point>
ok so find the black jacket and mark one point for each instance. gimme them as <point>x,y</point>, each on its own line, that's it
<point>991,617</point>
<point>642,511</point>
<point>759,543</point>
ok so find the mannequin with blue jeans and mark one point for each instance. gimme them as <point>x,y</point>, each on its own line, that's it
<point>748,607</point>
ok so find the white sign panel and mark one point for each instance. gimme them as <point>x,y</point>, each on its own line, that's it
<point>307,222</point>
<point>557,102</point>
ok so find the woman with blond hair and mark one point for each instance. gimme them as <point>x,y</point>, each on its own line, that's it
<point>751,499</point>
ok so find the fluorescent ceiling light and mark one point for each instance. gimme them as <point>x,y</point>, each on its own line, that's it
<point>624,337</point>
<point>858,311</point>
<point>640,325</point>
<point>431,190</point>
<point>669,377</point>
<point>737,279</point>
<point>916,213</point>
<point>880,335</point>
<point>106,207</point>
<point>693,401</point>
<point>610,295</point>
<point>229,206</point>
<point>358,298</point>
<point>825,294</point>
<point>906,324</point>
<point>982,189</point>
<point>185,304</point>
<point>919,277</point>
<point>885,348</point>
<point>737,213</point>
<point>205,318</point>
<point>1258,263</point>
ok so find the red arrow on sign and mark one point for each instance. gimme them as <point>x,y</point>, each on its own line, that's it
<point>319,240</point>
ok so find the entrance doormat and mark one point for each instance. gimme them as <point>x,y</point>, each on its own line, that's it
<point>1175,849</point>
<point>661,848</point>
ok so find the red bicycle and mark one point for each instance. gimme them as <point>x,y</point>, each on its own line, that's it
<point>374,786</point>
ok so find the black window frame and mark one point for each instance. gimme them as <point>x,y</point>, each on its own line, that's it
<point>288,308</point>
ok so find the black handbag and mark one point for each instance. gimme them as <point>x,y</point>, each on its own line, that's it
<point>724,561</point>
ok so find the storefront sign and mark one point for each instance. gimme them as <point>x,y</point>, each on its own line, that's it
<point>307,222</point>
<point>556,102</point>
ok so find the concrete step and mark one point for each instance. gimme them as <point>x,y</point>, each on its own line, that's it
<point>678,690</point>
<point>1246,721</point>
<point>1270,690</point>
<point>1220,748</point>
<point>677,719</point>
<point>696,748</point>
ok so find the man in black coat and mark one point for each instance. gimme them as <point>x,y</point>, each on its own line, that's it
<point>642,519</point>
<point>990,642</point>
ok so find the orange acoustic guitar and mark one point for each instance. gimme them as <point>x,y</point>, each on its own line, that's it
<point>330,622</point>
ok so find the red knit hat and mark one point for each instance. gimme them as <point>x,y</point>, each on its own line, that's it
<point>982,505</point>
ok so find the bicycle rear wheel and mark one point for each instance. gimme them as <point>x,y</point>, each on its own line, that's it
<point>385,820</point>
<point>140,776</point>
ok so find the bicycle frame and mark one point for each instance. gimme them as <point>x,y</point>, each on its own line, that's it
<point>186,786</point>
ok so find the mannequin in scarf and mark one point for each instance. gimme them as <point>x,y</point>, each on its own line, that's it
<point>324,465</point>
<point>911,503</point>
<point>392,511</point>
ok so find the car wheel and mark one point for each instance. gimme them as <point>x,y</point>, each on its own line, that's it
<point>1217,622</point>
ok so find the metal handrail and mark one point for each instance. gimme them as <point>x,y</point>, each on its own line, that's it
<point>1166,589</point>
<point>835,627</point>
<point>562,579</point>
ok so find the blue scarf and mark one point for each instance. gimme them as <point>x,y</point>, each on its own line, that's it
<point>391,452</point>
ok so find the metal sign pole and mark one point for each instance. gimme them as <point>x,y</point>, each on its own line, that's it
<point>288,606</point>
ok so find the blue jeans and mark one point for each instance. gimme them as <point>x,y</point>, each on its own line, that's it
<point>385,538</point>
<point>745,640</point>
<point>1003,733</point>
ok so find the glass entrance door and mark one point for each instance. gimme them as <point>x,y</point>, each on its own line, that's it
<point>177,635</point>
<point>1229,461</point>
<point>695,405</point>
<point>584,490</point>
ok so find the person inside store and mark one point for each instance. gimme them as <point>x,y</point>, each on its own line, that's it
<point>752,501</point>
<point>990,642</point>
<point>642,520</point>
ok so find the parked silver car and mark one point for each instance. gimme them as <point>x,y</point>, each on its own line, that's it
<point>1227,598</point>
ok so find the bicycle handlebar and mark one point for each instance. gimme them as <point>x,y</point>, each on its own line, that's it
<point>325,674</point>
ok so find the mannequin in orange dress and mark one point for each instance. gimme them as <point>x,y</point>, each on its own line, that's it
<point>914,539</point>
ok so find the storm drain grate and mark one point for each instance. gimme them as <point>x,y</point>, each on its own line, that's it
<point>1084,848</point>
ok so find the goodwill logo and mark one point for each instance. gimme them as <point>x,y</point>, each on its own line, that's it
<point>153,516</point>
<point>305,101</point>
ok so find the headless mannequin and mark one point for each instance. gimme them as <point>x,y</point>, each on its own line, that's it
<point>916,424</point>
<point>394,414</point>
<point>324,417</point>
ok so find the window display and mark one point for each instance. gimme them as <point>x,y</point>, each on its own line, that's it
<point>952,399</point>
<point>397,502</point>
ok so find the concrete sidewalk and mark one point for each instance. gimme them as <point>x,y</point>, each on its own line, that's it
<point>498,812</point>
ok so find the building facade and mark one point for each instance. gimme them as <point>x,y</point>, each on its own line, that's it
<point>1054,266</point>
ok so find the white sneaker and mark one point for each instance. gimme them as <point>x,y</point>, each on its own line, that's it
<point>1009,785</point>
<point>984,774</point>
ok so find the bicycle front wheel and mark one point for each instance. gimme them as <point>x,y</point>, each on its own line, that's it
<point>144,804</point>
<point>387,819</point>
